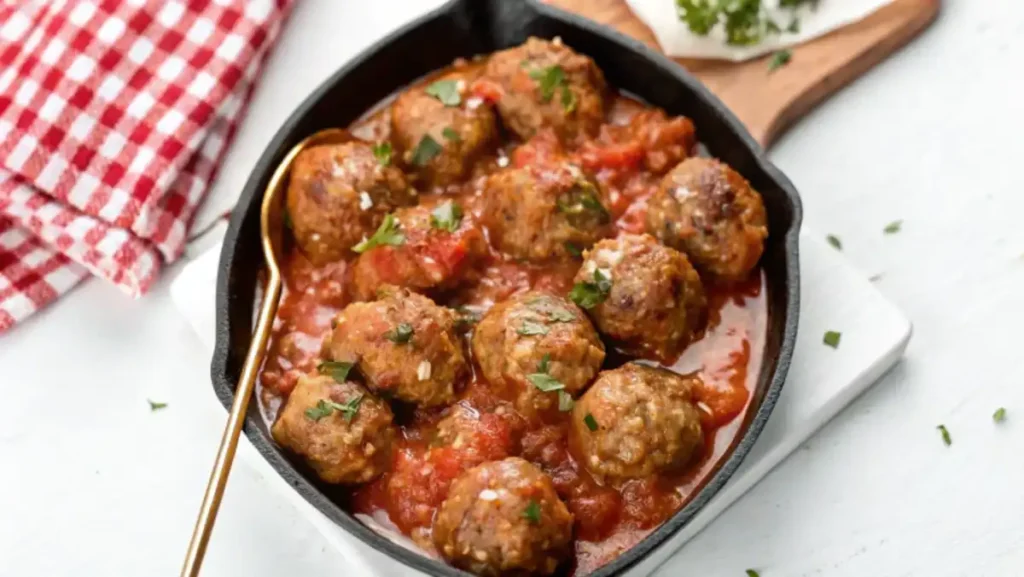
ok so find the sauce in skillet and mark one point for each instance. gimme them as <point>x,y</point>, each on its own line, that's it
<point>608,520</point>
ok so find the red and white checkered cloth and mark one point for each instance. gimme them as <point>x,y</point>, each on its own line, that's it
<point>114,115</point>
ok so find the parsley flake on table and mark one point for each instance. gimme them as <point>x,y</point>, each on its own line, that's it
<point>337,370</point>
<point>589,294</point>
<point>401,334</point>
<point>590,422</point>
<point>382,152</point>
<point>532,512</point>
<point>945,435</point>
<point>388,233</point>
<point>156,406</point>
<point>449,134</point>
<point>893,227</point>
<point>832,339</point>
<point>447,91</point>
<point>447,216</point>
<point>834,241</point>
<point>324,408</point>
<point>752,573</point>
<point>1000,415</point>
<point>425,151</point>
<point>532,328</point>
<point>779,59</point>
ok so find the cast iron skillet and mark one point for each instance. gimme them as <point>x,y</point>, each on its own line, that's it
<point>462,28</point>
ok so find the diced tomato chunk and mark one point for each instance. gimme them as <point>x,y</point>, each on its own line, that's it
<point>489,90</point>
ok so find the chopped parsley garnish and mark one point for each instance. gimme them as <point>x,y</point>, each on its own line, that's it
<point>447,91</point>
<point>834,241</point>
<point>1000,415</point>
<point>590,422</point>
<point>752,573</point>
<point>573,250</point>
<point>832,339</point>
<point>565,402</point>
<point>545,382</point>
<point>532,512</point>
<point>446,216</point>
<point>542,379</point>
<point>388,233</point>
<point>893,227</point>
<point>745,22</point>
<point>568,100</point>
<point>338,370</point>
<point>324,408</point>
<point>560,315</point>
<point>156,406</point>
<point>779,59</point>
<point>550,307</point>
<point>382,152</point>
<point>531,328</point>
<point>401,334</point>
<point>551,79</point>
<point>450,134</point>
<point>425,151</point>
<point>545,362</point>
<point>589,294</point>
<point>945,435</point>
<point>582,206</point>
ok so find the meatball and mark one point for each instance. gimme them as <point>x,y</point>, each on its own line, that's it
<point>548,85</point>
<point>339,193</point>
<point>504,518</point>
<point>641,294</point>
<point>339,428</point>
<point>637,421</point>
<point>439,247</point>
<point>404,345</point>
<point>710,212</point>
<point>535,342</point>
<point>441,130</point>
<point>545,211</point>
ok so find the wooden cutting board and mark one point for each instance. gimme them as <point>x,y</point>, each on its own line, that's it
<point>768,103</point>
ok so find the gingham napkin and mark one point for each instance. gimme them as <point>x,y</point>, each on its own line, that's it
<point>113,117</point>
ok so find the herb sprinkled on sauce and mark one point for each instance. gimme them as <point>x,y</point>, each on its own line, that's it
<point>447,91</point>
<point>388,233</point>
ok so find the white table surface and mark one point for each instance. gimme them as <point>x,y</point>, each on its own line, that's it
<point>93,483</point>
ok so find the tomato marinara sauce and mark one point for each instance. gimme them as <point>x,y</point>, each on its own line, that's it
<point>625,161</point>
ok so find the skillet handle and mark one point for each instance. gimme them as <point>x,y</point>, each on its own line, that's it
<point>233,428</point>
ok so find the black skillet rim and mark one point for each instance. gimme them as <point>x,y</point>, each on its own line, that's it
<point>224,388</point>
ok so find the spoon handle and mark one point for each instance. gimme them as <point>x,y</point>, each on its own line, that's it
<point>233,428</point>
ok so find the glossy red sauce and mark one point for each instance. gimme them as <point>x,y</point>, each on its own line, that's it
<point>609,520</point>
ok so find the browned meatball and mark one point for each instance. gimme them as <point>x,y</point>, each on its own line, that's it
<point>339,193</point>
<point>504,518</point>
<point>710,212</point>
<point>404,345</point>
<point>548,85</point>
<point>340,429</point>
<point>548,210</point>
<point>641,294</point>
<point>637,421</point>
<point>540,347</point>
<point>441,130</point>
<point>440,245</point>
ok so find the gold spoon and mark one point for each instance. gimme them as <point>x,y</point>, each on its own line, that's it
<point>271,234</point>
